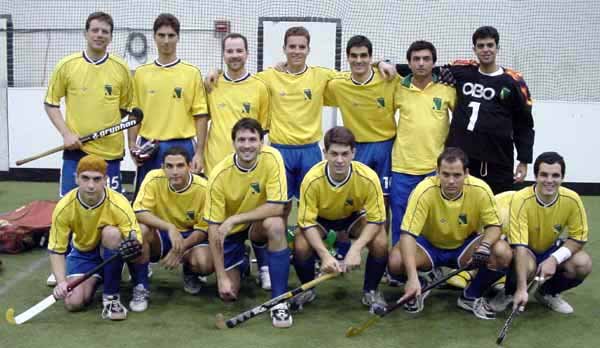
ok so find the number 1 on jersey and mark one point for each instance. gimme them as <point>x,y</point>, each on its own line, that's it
<point>474,115</point>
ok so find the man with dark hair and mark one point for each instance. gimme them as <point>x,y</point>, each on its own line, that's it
<point>172,96</point>
<point>440,229</point>
<point>345,196</point>
<point>245,199</point>
<point>169,208</point>
<point>541,216</point>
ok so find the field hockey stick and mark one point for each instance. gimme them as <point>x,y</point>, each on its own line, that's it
<point>137,114</point>
<point>221,323</point>
<point>353,330</point>
<point>516,311</point>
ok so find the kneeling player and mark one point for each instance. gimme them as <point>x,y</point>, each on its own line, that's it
<point>539,215</point>
<point>245,198</point>
<point>439,229</point>
<point>169,208</point>
<point>98,219</point>
<point>342,195</point>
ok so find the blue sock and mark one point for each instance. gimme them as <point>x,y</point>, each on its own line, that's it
<point>558,284</point>
<point>139,274</point>
<point>484,279</point>
<point>374,270</point>
<point>342,247</point>
<point>260,251</point>
<point>279,270</point>
<point>305,269</point>
<point>112,272</point>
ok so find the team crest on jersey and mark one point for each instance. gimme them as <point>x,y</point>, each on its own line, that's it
<point>108,90</point>
<point>504,93</point>
<point>190,214</point>
<point>349,202</point>
<point>255,187</point>
<point>307,94</point>
<point>381,102</point>
<point>462,219</point>
<point>177,92</point>
<point>246,108</point>
<point>558,228</point>
<point>443,220</point>
<point>437,103</point>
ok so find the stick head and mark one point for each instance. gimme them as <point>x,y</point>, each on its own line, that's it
<point>352,331</point>
<point>10,316</point>
<point>220,321</point>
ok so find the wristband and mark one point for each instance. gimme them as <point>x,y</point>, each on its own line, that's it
<point>562,254</point>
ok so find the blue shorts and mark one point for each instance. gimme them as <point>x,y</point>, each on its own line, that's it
<point>401,188</point>
<point>344,224</point>
<point>540,257</point>
<point>69,172</point>
<point>166,245</point>
<point>298,160</point>
<point>234,250</point>
<point>156,161</point>
<point>378,156</point>
<point>446,257</point>
<point>81,262</point>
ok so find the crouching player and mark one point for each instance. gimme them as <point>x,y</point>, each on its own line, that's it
<point>539,216</point>
<point>169,208</point>
<point>99,220</point>
<point>439,229</point>
<point>246,196</point>
<point>342,195</point>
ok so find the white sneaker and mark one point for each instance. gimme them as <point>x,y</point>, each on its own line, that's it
<point>554,302</point>
<point>375,301</point>
<point>500,302</point>
<point>51,281</point>
<point>264,279</point>
<point>139,299</point>
<point>281,316</point>
<point>192,284</point>
<point>297,302</point>
<point>112,308</point>
<point>478,306</point>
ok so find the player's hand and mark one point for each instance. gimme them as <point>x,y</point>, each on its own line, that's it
<point>330,265</point>
<point>176,240</point>
<point>133,149</point>
<point>412,289</point>
<point>226,289</point>
<point>352,260</point>
<point>71,141</point>
<point>60,290</point>
<point>520,299</point>
<point>197,163</point>
<point>481,255</point>
<point>211,80</point>
<point>171,261</point>
<point>280,66</point>
<point>387,70</point>
<point>520,172</point>
<point>547,269</point>
<point>224,228</point>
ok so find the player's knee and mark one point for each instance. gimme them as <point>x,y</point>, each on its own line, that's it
<point>111,237</point>
<point>200,261</point>
<point>579,266</point>
<point>395,265</point>
<point>74,303</point>
<point>275,228</point>
<point>379,245</point>
<point>302,249</point>
<point>502,254</point>
<point>147,233</point>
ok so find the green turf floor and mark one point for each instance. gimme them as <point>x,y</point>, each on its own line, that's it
<point>175,319</point>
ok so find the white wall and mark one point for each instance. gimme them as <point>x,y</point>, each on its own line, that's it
<point>568,128</point>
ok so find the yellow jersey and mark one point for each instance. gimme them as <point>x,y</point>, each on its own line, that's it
<point>171,96</point>
<point>367,109</point>
<point>94,93</point>
<point>182,208</point>
<point>321,197</point>
<point>422,125</point>
<point>229,102</point>
<point>234,190</point>
<point>503,201</point>
<point>72,216</point>
<point>447,223</point>
<point>538,225</point>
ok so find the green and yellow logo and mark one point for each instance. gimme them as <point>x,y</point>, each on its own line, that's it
<point>255,187</point>
<point>437,103</point>
<point>462,219</point>
<point>190,214</point>
<point>381,102</point>
<point>246,108</point>
<point>504,93</point>
<point>349,202</point>
<point>558,228</point>
<point>108,89</point>
<point>307,94</point>
<point>177,92</point>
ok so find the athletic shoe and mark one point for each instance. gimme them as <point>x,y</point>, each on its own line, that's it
<point>191,284</point>
<point>297,302</point>
<point>202,279</point>
<point>478,306</point>
<point>416,305</point>
<point>391,281</point>
<point>264,279</point>
<point>374,300</point>
<point>554,302</point>
<point>51,281</point>
<point>139,298</point>
<point>500,302</point>
<point>281,316</point>
<point>112,308</point>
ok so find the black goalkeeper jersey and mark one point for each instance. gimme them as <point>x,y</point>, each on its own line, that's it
<point>492,113</point>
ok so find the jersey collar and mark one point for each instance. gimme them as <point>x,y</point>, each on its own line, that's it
<point>95,62</point>
<point>91,207</point>
<point>185,188</point>
<point>541,202</point>
<point>451,199</point>
<point>168,65</point>
<point>243,78</point>
<point>334,183</point>
<point>298,73</point>
<point>407,80</point>
<point>242,169</point>
<point>366,81</point>
<point>498,72</point>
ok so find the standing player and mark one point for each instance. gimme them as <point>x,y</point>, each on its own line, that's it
<point>236,95</point>
<point>439,229</point>
<point>540,216</point>
<point>171,93</point>
<point>169,208</point>
<point>245,198</point>
<point>97,89</point>
<point>492,115</point>
<point>98,219</point>
<point>342,195</point>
